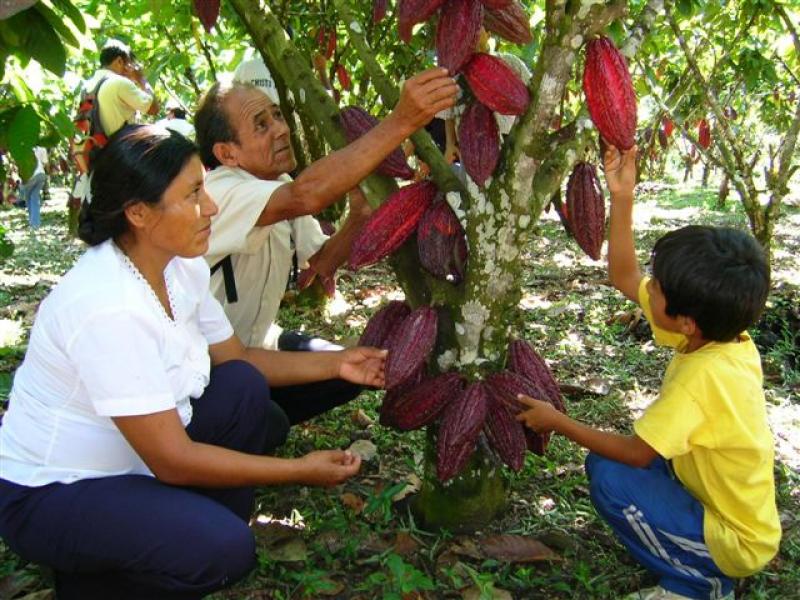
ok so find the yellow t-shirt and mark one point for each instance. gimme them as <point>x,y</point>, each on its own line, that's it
<point>120,99</point>
<point>710,420</point>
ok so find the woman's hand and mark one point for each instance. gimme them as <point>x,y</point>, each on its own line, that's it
<point>327,468</point>
<point>541,417</point>
<point>363,365</point>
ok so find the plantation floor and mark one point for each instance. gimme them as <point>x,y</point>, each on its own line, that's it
<point>360,540</point>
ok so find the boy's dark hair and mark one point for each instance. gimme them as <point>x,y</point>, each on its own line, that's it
<point>138,165</point>
<point>212,123</point>
<point>718,276</point>
<point>179,113</point>
<point>112,51</point>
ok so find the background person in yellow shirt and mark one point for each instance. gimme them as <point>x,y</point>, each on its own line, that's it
<point>708,515</point>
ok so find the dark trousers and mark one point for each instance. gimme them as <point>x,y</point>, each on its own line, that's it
<point>302,402</point>
<point>133,537</point>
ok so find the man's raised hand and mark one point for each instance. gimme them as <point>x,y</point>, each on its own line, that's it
<point>424,95</point>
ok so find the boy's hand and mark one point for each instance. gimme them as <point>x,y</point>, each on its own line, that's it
<point>328,467</point>
<point>620,169</point>
<point>541,417</point>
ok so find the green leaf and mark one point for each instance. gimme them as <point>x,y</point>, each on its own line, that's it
<point>63,124</point>
<point>57,23</point>
<point>74,15</point>
<point>43,44</point>
<point>23,134</point>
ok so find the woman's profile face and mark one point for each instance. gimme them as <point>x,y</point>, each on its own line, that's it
<point>180,224</point>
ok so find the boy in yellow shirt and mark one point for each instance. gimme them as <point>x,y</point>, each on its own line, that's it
<point>691,493</point>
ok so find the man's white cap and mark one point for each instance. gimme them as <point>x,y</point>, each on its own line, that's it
<point>255,71</point>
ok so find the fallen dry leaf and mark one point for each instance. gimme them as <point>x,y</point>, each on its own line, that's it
<point>468,547</point>
<point>291,550</point>
<point>353,502</point>
<point>404,544</point>
<point>474,593</point>
<point>362,419</point>
<point>515,548</point>
<point>413,485</point>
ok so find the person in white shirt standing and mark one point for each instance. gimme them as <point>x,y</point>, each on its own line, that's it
<point>176,120</point>
<point>137,423</point>
<point>264,215</point>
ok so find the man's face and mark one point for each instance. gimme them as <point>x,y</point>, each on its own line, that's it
<point>264,148</point>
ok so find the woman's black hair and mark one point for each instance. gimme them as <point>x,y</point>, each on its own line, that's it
<point>718,276</point>
<point>137,165</point>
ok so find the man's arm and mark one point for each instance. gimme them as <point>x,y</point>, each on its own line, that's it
<point>628,449</point>
<point>329,178</point>
<point>337,249</point>
<point>136,75</point>
<point>623,268</point>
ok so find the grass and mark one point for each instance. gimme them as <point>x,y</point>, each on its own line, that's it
<point>356,541</point>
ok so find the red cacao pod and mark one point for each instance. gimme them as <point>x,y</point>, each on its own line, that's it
<point>511,23</point>
<point>586,209</point>
<point>505,386</point>
<point>411,12</point>
<point>412,343</point>
<point>704,134</point>
<point>381,327</point>
<point>663,140</point>
<point>356,122</point>
<point>378,10</point>
<point>496,85</point>
<point>525,361</point>
<point>479,142</point>
<point>609,93</point>
<point>459,428</point>
<point>669,127</point>
<point>457,33</point>
<point>496,4</point>
<point>391,398</point>
<point>505,434</point>
<point>343,76</point>
<point>207,11</point>
<point>392,223</point>
<point>424,402</point>
<point>442,243</point>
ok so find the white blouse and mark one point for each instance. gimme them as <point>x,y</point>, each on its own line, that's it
<point>102,346</point>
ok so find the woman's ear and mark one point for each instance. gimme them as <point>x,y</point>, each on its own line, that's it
<point>138,215</point>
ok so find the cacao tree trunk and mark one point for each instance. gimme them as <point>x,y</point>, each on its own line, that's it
<point>474,317</point>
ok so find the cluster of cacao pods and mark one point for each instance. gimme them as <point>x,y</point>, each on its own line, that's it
<point>421,208</point>
<point>462,410</point>
<point>495,86</point>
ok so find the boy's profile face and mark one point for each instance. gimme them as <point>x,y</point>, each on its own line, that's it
<point>658,306</point>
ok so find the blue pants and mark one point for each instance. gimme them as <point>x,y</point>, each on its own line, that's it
<point>133,537</point>
<point>31,193</point>
<point>659,523</point>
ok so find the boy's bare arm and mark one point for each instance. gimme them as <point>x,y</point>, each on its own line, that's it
<point>623,268</point>
<point>628,449</point>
